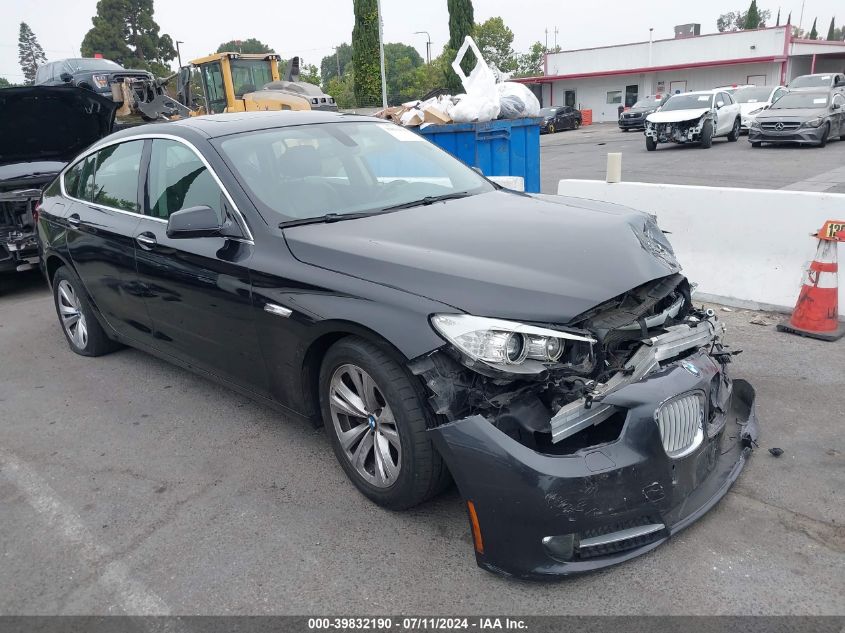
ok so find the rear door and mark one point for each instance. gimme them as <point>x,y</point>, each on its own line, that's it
<point>197,290</point>
<point>101,225</point>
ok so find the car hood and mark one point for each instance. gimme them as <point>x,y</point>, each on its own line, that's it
<point>791,114</point>
<point>640,110</point>
<point>748,108</point>
<point>499,254</point>
<point>676,116</point>
<point>51,123</point>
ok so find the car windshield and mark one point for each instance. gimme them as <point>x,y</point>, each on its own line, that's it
<point>94,64</point>
<point>647,102</point>
<point>752,95</point>
<point>687,102</point>
<point>309,171</point>
<point>798,100</point>
<point>548,111</point>
<point>811,81</point>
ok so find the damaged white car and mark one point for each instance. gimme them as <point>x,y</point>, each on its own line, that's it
<point>694,117</point>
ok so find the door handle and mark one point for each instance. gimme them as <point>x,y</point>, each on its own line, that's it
<point>73,220</point>
<point>146,240</point>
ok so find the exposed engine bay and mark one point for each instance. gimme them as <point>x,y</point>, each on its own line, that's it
<point>559,411</point>
<point>680,132</point>
<point>18,241</point>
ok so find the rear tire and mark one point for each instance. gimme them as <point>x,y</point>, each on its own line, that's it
<point>735,131</point>
<point>707,134</point>
<point>408,469</point>
<point>577,124</point>
<point>650,144</point>
<point>83,332</point>
<point>551,128</point>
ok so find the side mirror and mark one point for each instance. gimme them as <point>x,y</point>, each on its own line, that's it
<point>836,106</point>
<point>66,77</point>
<point>719,104</point>
<point>201,221</point>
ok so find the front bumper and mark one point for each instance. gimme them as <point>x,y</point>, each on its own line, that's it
<point>608,503</point>
<point>800,136</point>
<point>637,123</point>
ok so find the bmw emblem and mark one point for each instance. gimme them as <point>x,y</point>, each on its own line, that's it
<point>691,368</point>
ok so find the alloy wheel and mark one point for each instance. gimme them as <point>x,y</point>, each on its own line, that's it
<point>70,310</point>
<point>365,426</point>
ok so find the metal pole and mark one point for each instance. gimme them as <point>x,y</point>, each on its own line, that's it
<point>337,58</point>
<point>381,56</point>
<point>179,54</point>
<point>427,44</point>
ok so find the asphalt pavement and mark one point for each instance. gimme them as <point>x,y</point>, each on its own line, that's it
<point>583,154</point>
<point>131,486</point>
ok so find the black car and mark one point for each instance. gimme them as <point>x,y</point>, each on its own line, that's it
<point>91,73</point>
<point>634,117</point>
<point>543,351</point>
<point>41,130</point>
<point>559,118</point>
<point>801,117</point>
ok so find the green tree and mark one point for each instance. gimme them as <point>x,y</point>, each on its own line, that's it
<point>250,45</point>
<point>530,64</point>
<point>752,17</point>
<point>340,59</point>
<point>495,40</point>
<point>365,53</point>
<point>4,83</point>
<point>831,31</point>
<point>125,31</point>
<point>461,24</point>
<point>30,53</point>
<point>736,20</point>
<point>777,22</point>
<point>400,64</point>
<point>342,89</point>
<point>814,34</point>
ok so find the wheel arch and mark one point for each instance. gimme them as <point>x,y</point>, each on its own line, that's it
<point>311,359</point>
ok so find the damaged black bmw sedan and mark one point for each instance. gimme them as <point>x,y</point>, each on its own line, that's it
<point>544,352</point>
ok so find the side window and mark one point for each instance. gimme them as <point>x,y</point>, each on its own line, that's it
<point>79,179</point>
<point>116,176</point>
<point>178,179</point>
<point>215,92</point>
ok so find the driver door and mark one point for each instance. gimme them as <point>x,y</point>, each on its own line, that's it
<point>197,289</point>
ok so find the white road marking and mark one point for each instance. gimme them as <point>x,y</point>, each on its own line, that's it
<point>133,596</point>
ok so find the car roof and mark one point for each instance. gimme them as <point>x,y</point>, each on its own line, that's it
<point>215,125</point>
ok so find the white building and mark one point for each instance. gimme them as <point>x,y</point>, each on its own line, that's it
<point>603,78</point>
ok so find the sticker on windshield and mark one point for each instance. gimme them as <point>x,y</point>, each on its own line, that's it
<point>823,100</point>
<point>704,98</point>
<point>400,133</point>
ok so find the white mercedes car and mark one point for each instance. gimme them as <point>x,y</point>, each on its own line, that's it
<point>753,100</point>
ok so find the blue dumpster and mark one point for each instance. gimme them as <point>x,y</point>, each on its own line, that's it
<point>510,147</point>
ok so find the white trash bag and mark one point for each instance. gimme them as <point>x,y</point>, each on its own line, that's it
<point>481,102</point>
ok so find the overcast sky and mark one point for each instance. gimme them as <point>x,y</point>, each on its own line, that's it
<point>311,28</point>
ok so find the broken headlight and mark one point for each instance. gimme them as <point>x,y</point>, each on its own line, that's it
<point>505,344</point>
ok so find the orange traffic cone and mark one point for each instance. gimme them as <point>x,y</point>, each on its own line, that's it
<point>816,313</point>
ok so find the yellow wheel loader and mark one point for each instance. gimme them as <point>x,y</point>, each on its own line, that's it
<point>240,82</point>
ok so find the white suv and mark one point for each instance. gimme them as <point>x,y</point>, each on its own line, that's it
<point>694,117</point>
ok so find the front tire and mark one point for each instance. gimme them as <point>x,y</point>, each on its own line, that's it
<point>376,419</point>
<point>83,332</point>
<point>650,144</point>
<point>551,128</point>
<point>707,134</point>
<point>733,136</point>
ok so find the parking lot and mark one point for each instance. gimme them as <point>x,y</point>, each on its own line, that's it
<point>583,154</point>
<point>128,485</point>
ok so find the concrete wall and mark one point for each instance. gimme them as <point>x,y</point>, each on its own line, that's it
<point>745,247</point>
<point>693,50</point>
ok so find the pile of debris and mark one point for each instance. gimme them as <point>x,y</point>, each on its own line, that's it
<point>488,96</point>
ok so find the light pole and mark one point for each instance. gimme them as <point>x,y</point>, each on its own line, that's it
<point>381,56</point>
<point>178,54</point>
<point>427,44</point>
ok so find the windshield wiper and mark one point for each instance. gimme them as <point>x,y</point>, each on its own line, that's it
<point>328,218</point>
<point>422,202</point>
